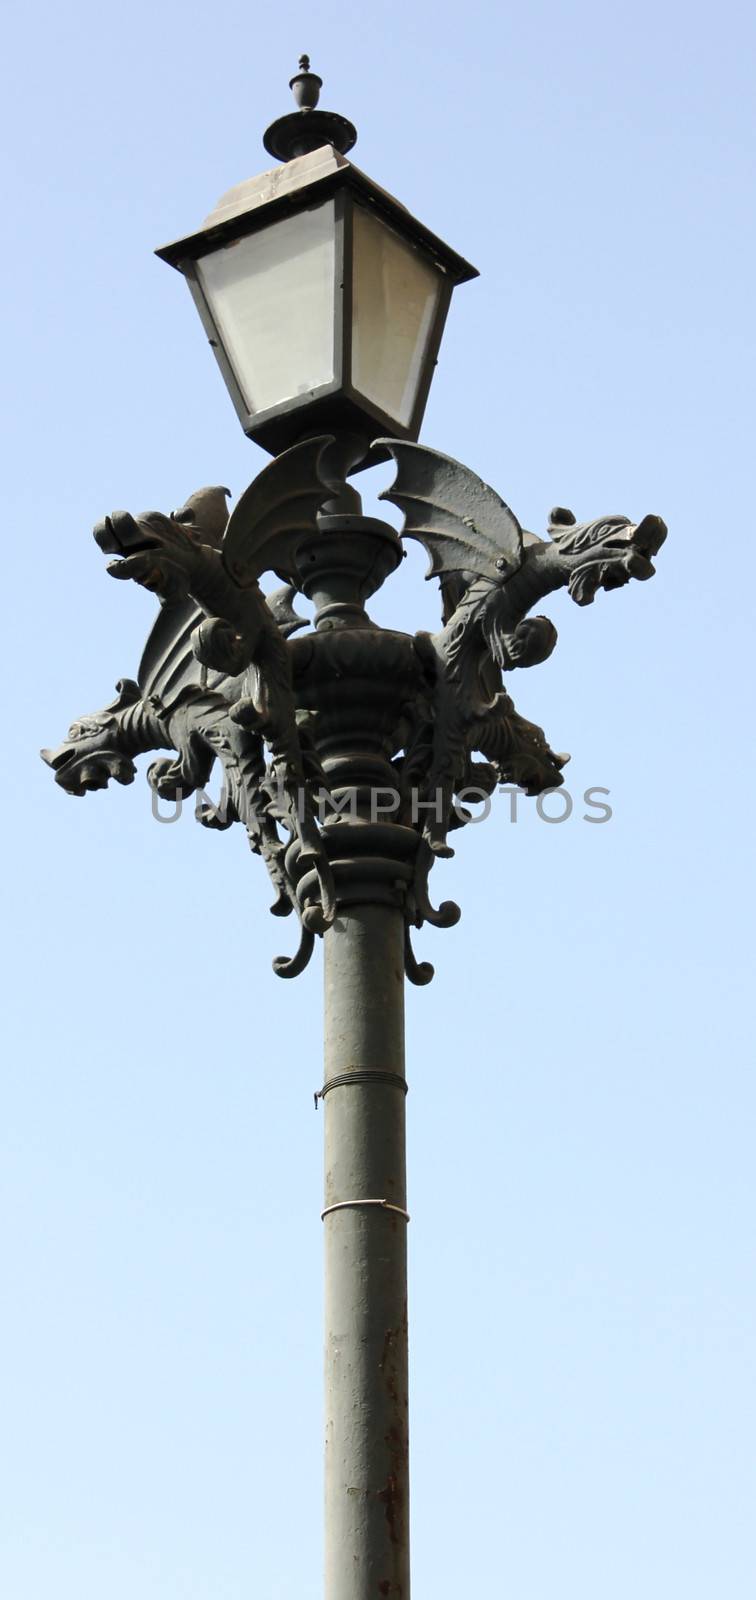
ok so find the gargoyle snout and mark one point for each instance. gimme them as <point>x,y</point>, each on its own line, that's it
<point>78,770</point>
<point>120,535</point>
<point>650,535</point>
<point>55,758</point>
<point>647,538</point>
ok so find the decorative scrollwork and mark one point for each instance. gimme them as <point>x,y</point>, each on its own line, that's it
<point>419,972</point>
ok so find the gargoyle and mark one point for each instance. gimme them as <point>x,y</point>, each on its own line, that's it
<point>215,678</point>
<point>493,572</point>
<point>197,725</point>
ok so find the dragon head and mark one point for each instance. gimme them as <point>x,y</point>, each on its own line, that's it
<point>607,553</point>
<point>90,756</point>
<point>154,550</point>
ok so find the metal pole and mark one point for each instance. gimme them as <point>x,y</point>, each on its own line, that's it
<point>367,1461</point>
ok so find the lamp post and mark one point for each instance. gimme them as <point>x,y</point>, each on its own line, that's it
<point>349,752</point>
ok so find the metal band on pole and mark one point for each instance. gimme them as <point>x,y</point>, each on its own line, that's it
<point>348,1205</point>
<point>362,1075</point>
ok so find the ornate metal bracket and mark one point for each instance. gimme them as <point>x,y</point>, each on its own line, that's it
<point>346,749</point>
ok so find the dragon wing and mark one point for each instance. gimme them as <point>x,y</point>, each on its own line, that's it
<point>463,523</point>
<point>168,663</point>
<point>272,516</point>
<point>278,509</point>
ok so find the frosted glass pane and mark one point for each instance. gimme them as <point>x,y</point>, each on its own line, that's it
<point>272,299</point>
<point>395,296</point>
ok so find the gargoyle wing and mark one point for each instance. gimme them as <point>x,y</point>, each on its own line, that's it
<point>274,514</point>
<point>463,523</point>
<point>168,664</point>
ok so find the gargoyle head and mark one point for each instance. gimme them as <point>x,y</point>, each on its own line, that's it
<point>160,552</point>
<point>608,552</point>
<point>151,549</point>
<point>90,756</point>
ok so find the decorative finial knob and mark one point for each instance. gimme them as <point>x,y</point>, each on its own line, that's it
<point>306,86</point>
<point>307,129</point>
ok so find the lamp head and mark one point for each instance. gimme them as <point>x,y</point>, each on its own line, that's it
<point>324,300</point>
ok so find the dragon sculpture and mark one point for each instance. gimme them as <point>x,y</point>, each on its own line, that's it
<point>221,677</point>
<point>215,678</point>
<point>492,573</point>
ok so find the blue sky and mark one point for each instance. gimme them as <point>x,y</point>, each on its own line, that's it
<point>581,1114</point>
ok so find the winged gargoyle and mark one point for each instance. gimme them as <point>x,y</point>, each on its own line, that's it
<point>215,679</point>
<point>492,573</point>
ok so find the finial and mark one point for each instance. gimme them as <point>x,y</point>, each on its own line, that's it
<point>306,128</point>
<point>306,86</point>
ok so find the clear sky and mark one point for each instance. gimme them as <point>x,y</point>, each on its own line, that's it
<point>582,1096</point>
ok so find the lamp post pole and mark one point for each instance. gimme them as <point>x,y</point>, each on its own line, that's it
<point>365,1220</point>
<point>360,685</point>
<point>349,752</point>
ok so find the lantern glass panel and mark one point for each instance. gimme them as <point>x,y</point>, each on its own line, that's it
<point>272,298</point>
<point>395,297</point>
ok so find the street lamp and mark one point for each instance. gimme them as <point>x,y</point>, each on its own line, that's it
<point>349,752</point>
<point>323,298</point>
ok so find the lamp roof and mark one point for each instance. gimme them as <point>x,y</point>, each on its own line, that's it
<point>301,181</point>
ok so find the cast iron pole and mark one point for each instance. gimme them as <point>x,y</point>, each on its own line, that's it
<point>367,1467</point>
